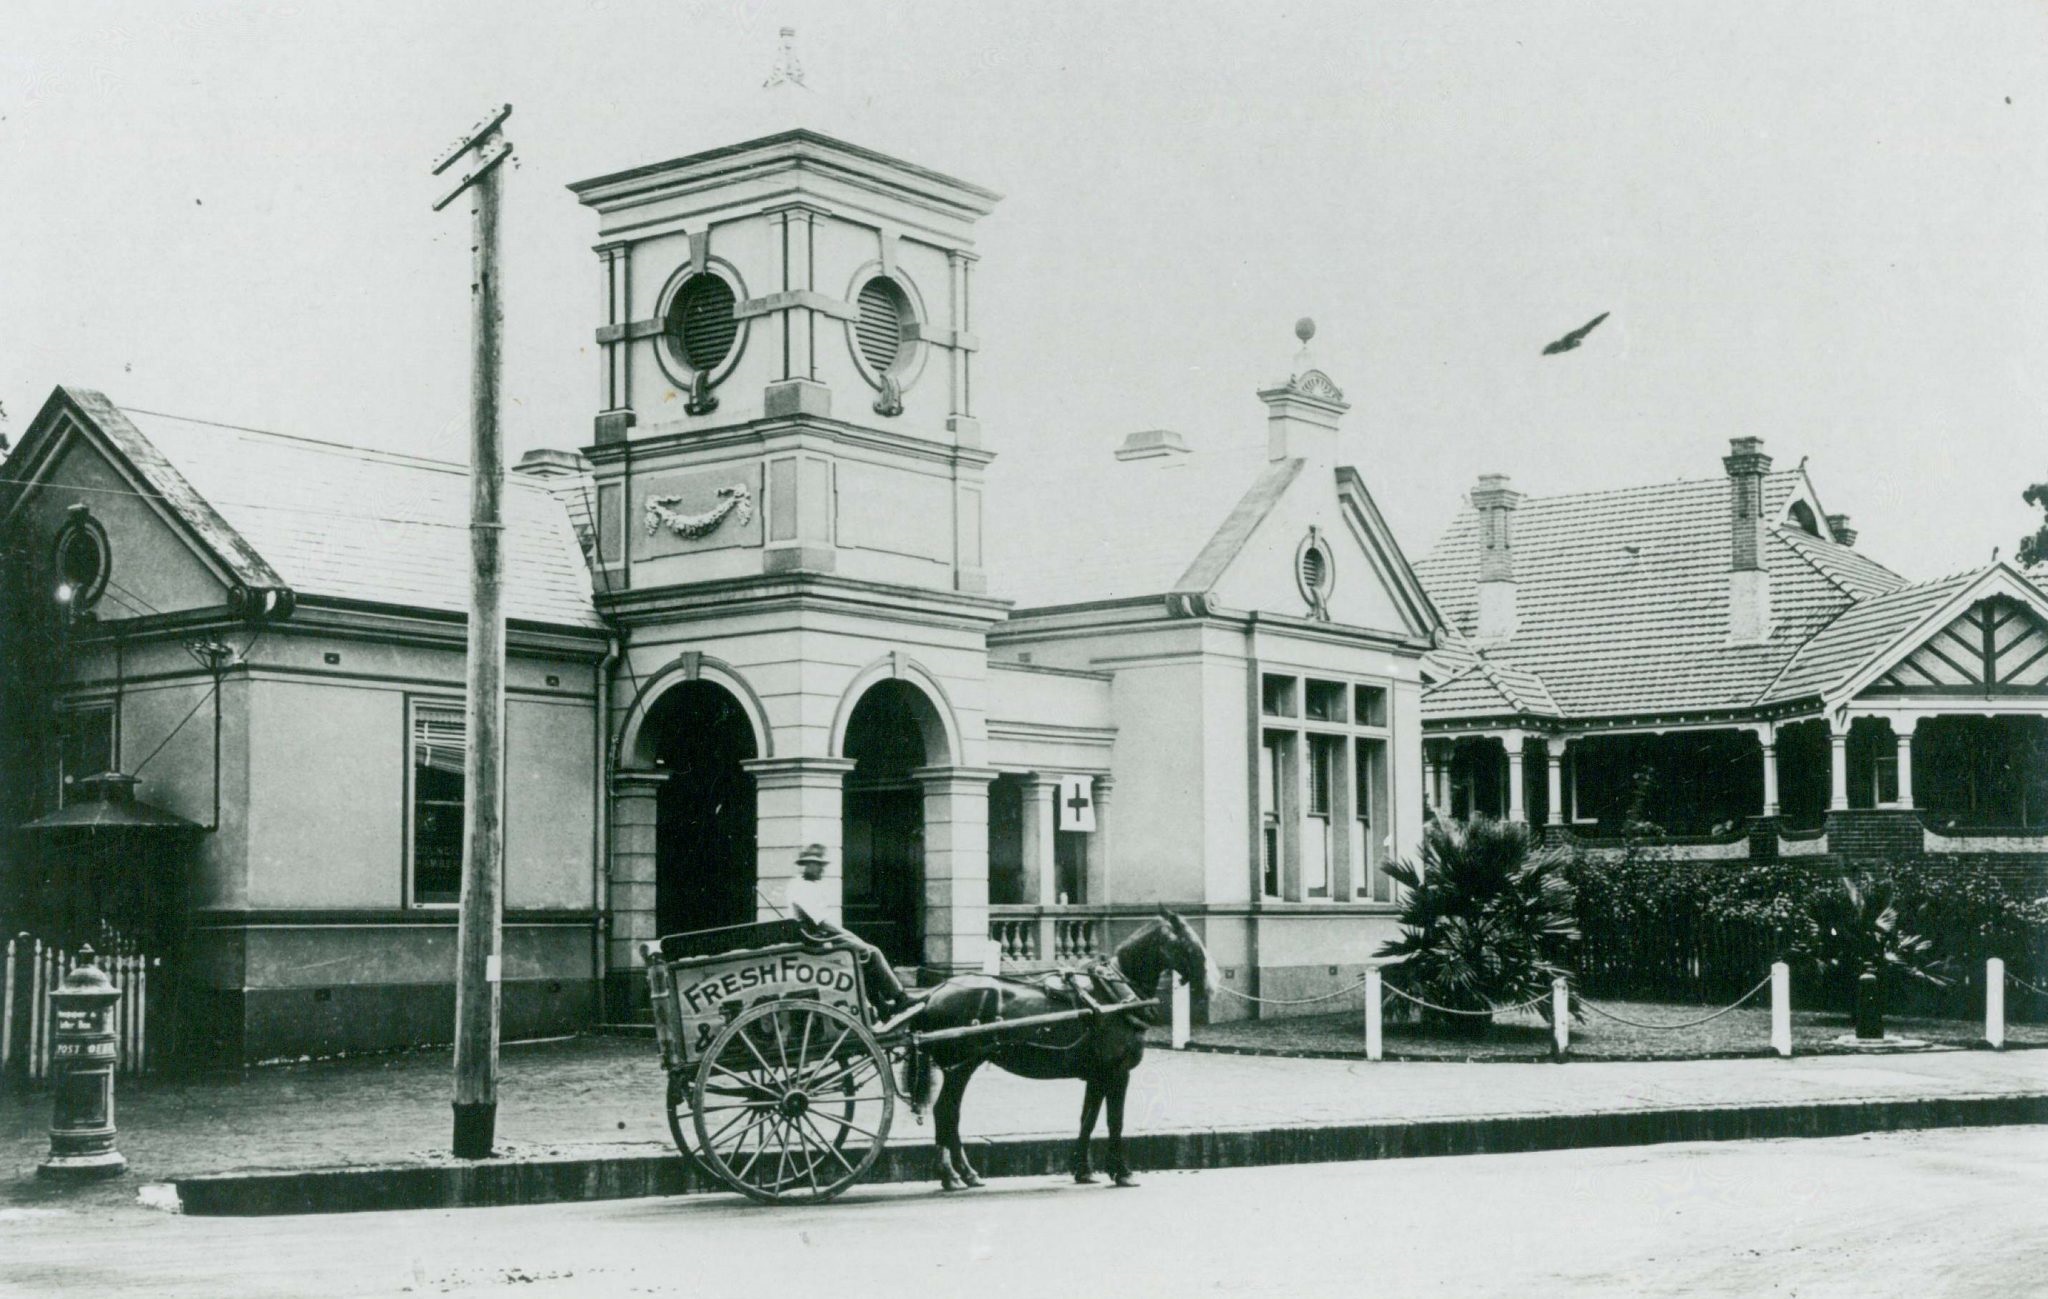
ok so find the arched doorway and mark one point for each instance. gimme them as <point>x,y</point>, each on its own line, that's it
<point>704,836</point>
<point>892,731</point>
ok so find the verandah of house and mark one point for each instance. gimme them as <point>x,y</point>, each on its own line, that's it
<point>1712,661</point>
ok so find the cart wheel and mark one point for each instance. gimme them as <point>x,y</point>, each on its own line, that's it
<point>792,1102</point>
<point>679,1114</point>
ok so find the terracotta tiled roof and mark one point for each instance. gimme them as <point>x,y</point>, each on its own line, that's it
<point>350,523</point>
<point>1622,598</point>
<point>1845,645</point>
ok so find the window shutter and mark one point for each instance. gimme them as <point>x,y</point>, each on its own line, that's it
<point>702,322</point>
<point>879,330</point>
<point>1314,568</point>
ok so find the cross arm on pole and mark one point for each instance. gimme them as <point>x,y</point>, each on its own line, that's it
<point>474,138</point>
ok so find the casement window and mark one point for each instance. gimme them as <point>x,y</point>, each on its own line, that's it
<point>85,744</point>
<point>1272,765</point>
<point>440,751</point>
<point>1326,817</point>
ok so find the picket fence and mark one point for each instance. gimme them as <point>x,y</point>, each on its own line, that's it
<point>34,970</point>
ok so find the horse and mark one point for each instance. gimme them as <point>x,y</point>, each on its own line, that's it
<point>1100,1050</point>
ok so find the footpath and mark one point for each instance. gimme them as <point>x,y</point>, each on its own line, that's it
<point>585,1118</point>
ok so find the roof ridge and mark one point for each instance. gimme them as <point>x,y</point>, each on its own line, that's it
<point>1638,487</point>
<point>324,444</point>
<point>1813,564</point>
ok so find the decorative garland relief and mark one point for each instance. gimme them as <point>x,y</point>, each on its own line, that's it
<point>734,501</point>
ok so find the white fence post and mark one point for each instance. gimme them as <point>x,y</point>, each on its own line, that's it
<point>1781,1008</point>
<point>1183,1012</point>
<point>1375,1047</point>
<point>7,1010</point>
<point>1994,1003</point>
<point>1561,1015</point>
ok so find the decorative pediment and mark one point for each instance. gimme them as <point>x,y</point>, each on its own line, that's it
<point>1314,383</point>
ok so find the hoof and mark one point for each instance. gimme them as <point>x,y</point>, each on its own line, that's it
<point>1125,1179</point>
<point>970,1180</point>
<point>1085,1179</point>
<point>948,1186</point>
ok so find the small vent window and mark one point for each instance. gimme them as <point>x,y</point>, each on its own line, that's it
<point>879,331</point>
<point>1315,567</point>
<point>702,324</point>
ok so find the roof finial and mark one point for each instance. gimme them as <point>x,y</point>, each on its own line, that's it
<point>787,70</point>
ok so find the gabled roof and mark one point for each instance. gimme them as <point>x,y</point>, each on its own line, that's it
<point>342,522</point>
<point>1622,597</point>
<point>1862,629</point>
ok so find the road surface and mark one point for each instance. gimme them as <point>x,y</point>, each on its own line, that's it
<point>1957,1213</point>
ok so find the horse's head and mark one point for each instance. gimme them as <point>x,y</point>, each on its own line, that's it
<point>1183,951</point>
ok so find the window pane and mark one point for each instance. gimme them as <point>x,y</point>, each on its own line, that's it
<point>1326,701</point>
<point>439,753</point>
<point>1372,706</point>
<point>1322,758</point>
<point>1277,694</point>
<point>87,748</point>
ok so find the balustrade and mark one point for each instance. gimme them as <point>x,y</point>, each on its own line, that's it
<point>1036,938</point>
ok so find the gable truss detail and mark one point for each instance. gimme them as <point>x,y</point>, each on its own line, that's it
<point>1997,646</point>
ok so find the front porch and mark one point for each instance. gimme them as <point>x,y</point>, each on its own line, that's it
<point>1924,780</point>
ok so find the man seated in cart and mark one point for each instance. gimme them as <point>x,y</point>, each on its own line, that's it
<point>810,900</point>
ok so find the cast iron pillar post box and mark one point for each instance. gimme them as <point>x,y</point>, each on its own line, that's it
<point>82,1111</point>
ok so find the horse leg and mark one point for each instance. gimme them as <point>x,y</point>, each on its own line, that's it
<point>953,1170</point>
<point>1119,1167</point>
<point>968,1176</point>
<point>945,1110</point>
<point>1091,1105</point>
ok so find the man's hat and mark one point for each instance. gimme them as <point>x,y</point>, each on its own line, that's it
<point>812,852</point>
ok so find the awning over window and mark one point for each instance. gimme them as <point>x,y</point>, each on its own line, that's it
<point>107,802</point>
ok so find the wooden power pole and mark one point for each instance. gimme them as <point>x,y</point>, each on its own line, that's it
<point>477,963</point>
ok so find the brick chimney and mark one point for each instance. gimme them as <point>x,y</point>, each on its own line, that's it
<point>1496,503</point>
<point>1749,577</point>
<point>1162,445</point>
<point>1839,525</point>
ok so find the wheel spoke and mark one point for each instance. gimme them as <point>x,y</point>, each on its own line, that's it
<point>740,1143</point>
<point>845,1077</point>
<point>760,1148</point>
<point>824,1144</point>
<point>803,1048</point>
<point>802,1130</point>
<point>781,1047</point>
<point>767,1070</point>
<point>847,1123</point>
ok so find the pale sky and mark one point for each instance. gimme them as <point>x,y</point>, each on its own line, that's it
<point>1824,225</point>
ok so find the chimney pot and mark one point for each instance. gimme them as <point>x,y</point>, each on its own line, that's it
<point>1839,525</point>
<point>1161,444</point>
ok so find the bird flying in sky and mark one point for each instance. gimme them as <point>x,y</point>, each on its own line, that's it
<point>1576,337</point>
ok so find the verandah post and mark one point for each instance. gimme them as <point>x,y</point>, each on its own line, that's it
<point>1183,1012</point>
<point>1561,1016</point>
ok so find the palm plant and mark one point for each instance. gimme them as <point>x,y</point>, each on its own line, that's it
<point>1853,929</point>
<point>1484,922</point>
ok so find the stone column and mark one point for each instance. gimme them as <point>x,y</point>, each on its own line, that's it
<point>1429,795</point>
<point>1512,742</point>
<point>797,801</point>
<point>1902,728</point>
<point>1838,767</point>
<point>1553,767</point>
<point>1767,737</point>
<point>1035,843</point>
<point>1098,844</point>
<point>632,869</point>
<point>955,868</point>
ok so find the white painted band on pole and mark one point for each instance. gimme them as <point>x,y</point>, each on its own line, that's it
<point>1183,1012</point>
<point>1994,1003</point>
<point>1781,1008</point>
<point>493,966</point>
<point>1375,1046</point>
<point>1561,1014</point>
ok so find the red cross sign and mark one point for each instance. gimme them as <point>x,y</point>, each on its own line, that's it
<point>1077,803</point>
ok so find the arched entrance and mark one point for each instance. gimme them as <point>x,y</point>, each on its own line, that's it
<point>704,836</point>
<point>892,731</point>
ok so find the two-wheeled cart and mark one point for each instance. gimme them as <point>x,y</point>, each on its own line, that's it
<point>781,1082</point>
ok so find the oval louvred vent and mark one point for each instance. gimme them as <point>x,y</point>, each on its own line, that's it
<point>879,331</point>
<point>1315,569</point>
<point>702,322</point>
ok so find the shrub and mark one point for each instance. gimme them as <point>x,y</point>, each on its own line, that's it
<point>1853,929</point>
<point>1483,922</point>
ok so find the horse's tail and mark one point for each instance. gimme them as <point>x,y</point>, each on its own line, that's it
<point>917,1077</point>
